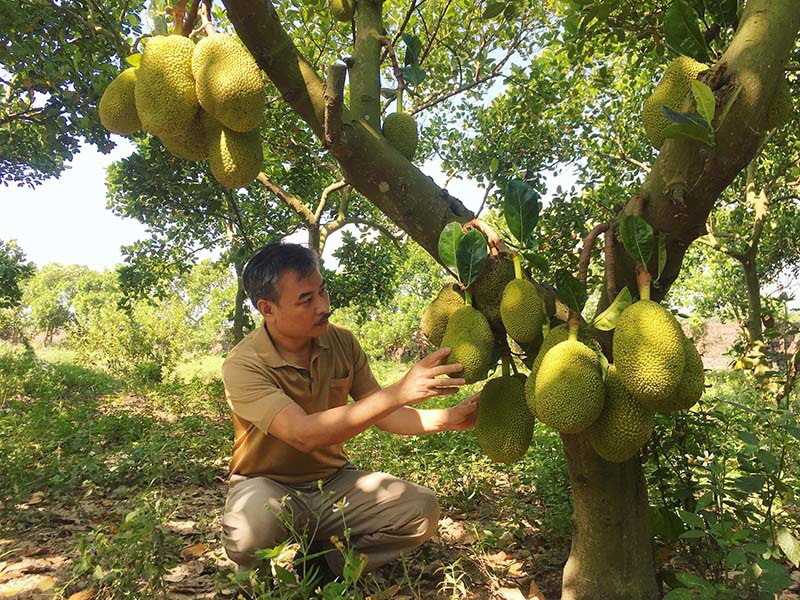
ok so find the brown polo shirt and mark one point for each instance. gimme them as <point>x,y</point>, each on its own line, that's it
<point>259,383</point>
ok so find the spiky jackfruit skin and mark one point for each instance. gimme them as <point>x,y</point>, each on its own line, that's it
<point>192,144</point>
<point>691,385</point>
<point>400,129</point>
<point>228,82</point>
<point>521,311</point>
<point>343,10</point>
<point>487,289</point>
<point>648,351</point>
<point>671,91</point>
<point>434,320</point>
<point>623,426</point>
<point>165,98</point>
<point>504,426</point>
<point>780,110</point>
<point>235,158</point>
<point>470,338</point>
<point>117,106</point>
<point>569,392</point>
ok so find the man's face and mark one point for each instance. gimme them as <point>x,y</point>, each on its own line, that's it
<point>302,308</point>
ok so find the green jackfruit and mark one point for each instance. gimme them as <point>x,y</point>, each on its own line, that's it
<point>648,351</point>
<point>434,320</point>
<point>235,158</point>
<point>469,336</point>
<point>400,129</point>
<point>228,82</point>
<point>780,110</point>
<point>487,290</point>
<point>569,388</point>
<point>117,107</point>
<point>192,145</point>
<point>504,426</point>
<point>691,385</point>
<point>671,91</point>
<point>521,310</point>
<point>624,425</point>
<point>165,98</point>
<point>343,10</point>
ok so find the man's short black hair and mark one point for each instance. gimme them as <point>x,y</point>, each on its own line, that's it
<point>260,276</point>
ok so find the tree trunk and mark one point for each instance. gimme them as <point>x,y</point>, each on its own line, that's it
<point>753,300</point>
<point>611,557</point>
<point>238,310</point>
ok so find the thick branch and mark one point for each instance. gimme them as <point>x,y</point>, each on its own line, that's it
<point>334,104</point>
<point>588,245</point>
<point>365,81</point>
<point>335,225</point>
<point>323,199</point>
<point>292,201</point>
<point>188,24</point>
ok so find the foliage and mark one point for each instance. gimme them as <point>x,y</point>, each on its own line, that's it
<point>14,269</point>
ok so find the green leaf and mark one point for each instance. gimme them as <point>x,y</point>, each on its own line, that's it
<point>704,500</point>
<point>735,557</point>
<point>751,484</point>
<point>691,519</point>
<point>757,548</point>
<point>494,165</point>
<point>748,438</point>
<point>692,534</point>
<point>493,9</point>
<point>471,256</point>
<point>679,594</point>
<point>773,578</point>
<point>637,238</point>
<point>285,576</point>
<point>521,210</point>
<point>768,460</point>
<point>704,98</point>
<point>134,60</point>
<point>413,75</point>
<point>448,243</point>
<point>682,31</point>
<point>413,49</point>
<point>607,320</point>
<point>723,11</point>
<point>571,291</point>
<point>790,546</point>
<point>695,132</point>
<point>662,253</point>
<point>693,581</point>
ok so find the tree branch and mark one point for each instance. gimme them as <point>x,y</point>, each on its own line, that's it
<point>188,24</point>
<point>588,245</point>
<point>291,201</point>
<point>334,226</point>
<point>323,200</point>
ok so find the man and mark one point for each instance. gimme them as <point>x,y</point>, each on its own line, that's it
<point>287,384</point>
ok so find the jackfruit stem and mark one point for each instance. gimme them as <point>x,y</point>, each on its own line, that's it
<point>506,366</point>
<point>574,323</point>
<point>517,266</point>
<point>467,297</point>
<point>643,279</point>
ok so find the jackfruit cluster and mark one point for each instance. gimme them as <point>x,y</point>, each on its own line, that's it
<point>522,311</point>
<point>568,392</point>
<point>202,101</point>
<point>471,341</point>
<point>504,426</point>
<point>624,425</point>
<point>487,289</point>
<point>434,320</point>
<point>400,129</point>
<point>671,91</point>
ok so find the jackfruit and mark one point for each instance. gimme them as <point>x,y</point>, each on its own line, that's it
<point>691,385</point>
<point>343,10</point>
<point>470,338</point>
<point>648,351</point>
<point>521,310</point>
<point>165,98</point>
<point>623,426</point>
<point>434,320</point>
<point>780,110</point>
<point>192,144</point>
<point>569,392</point>
<point>400,129</point>
<point>235,158</point>
<point>504,426</point>
<point>228,82</point>
<point>117,107</point>
<point>671,91</point>
<point>487,289</point>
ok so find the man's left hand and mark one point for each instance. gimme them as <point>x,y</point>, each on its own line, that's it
<point>462,416</point>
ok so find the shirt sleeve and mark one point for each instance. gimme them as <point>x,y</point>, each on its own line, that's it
<point>364,382</point>
<point>252,395</point>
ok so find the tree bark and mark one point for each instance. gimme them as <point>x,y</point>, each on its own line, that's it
<point>750,268</point>
<point>239,316</point>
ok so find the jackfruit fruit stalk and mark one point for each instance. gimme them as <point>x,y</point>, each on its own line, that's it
<point>165,98</point>
<point>623,426</point>
<point>470,338</point>
<point>228,82</point>
<point>117,107</point>
<point>521,308</point>
<point>434,320</point>
<point>504,426</point>
<point>671,91</point>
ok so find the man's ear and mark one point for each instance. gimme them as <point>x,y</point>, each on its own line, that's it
<point>265,308</point>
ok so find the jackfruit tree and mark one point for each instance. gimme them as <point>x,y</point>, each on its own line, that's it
<point>716,131</point>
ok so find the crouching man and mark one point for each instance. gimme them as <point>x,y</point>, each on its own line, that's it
<point>287,384</point>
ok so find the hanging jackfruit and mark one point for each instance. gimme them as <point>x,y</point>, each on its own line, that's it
<point>192,144</point>
<point>521,311</point>
<point>671,91</point>
<point>343,10</point>
<point>470,338</point>
<point>165,98</point>
<point>434,320</point>
<point>117,106</point>
<point>400,129</point>
<point>691,385</point>
<point>228,82</point>
<point>487,289</point>
<point>235,158</point>
<point>504,426</point>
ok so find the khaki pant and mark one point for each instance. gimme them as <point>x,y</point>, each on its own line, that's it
<point>386,515</point>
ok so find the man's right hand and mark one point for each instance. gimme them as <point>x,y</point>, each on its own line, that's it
<point>422,380</point>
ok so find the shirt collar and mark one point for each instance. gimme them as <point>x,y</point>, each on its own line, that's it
<point>266,349</point>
